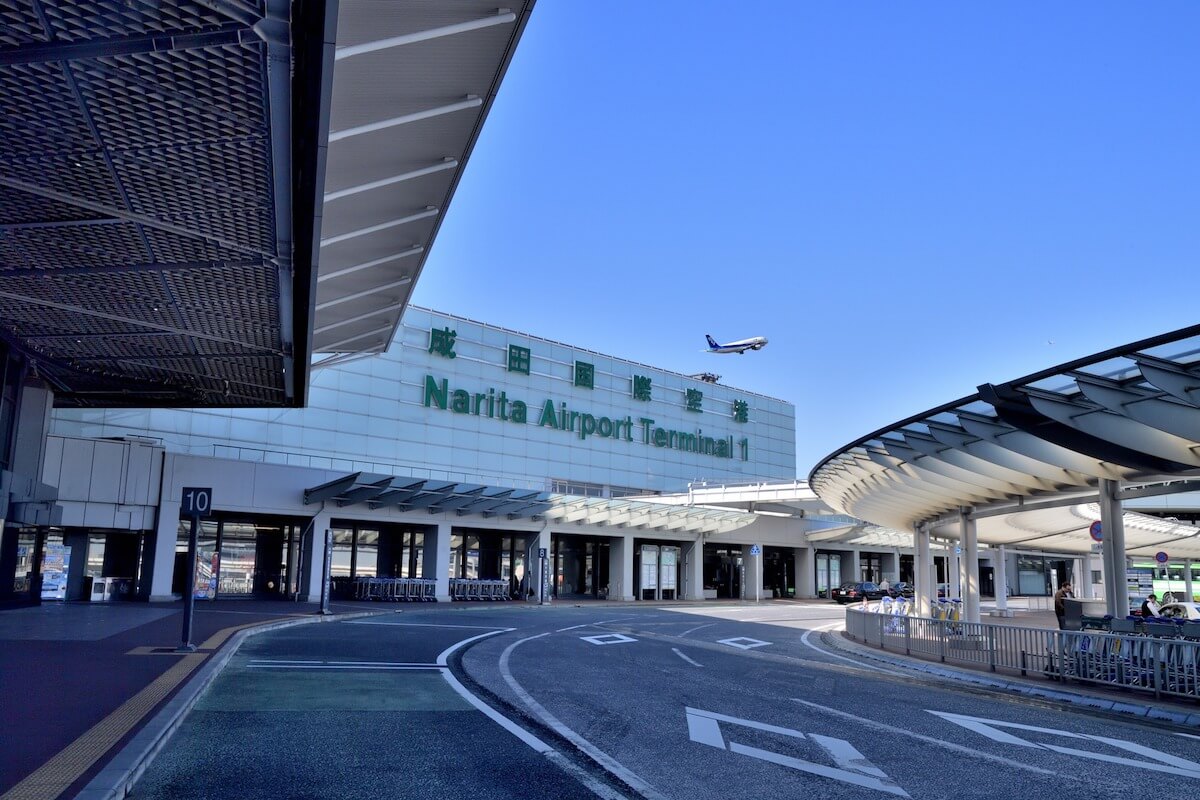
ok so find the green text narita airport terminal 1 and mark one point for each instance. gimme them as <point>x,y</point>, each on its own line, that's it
<point>500,406</point>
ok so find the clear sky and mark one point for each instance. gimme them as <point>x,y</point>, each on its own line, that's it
<point>908,199</point>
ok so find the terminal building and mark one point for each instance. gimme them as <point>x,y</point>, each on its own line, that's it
<point>460,453</point>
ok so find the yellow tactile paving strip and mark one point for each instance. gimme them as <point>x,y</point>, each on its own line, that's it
<point>52,778</point>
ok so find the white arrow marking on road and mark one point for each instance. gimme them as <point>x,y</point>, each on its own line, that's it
<point>853,767</point>
<point>1160,762</point>
<point>609,638</point>
<point>744,643</point>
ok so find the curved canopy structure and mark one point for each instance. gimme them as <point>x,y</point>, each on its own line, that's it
<point>1130,414</point>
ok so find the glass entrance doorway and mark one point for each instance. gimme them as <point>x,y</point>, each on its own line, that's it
<point>829,572</point>
<point>580,566</point>
<point>723,571</point>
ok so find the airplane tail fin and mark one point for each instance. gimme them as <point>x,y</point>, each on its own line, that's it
<point>711,341</point>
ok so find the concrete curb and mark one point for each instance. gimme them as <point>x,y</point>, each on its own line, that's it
<point>1120,708</point>
<point>122,771</point>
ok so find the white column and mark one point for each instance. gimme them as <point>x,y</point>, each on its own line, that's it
<point>166,534</point>
<point>312,573</point>
<point>752,588</point>
<point>693,570</point>
<point>925,577</point>
<point>971,571</point>
<point>895,576</point>
<point>953,571</point>
<point>620,568</point>
<point>1187,580</point>
<point>1113,526</point>
<point>435,560</point>
<point>1001,573</point>
<point>855,567</point>
<point>1083,583</point>
<point>806,577</point>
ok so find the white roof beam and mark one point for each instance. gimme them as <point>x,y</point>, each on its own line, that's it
<point>444,164</point>
<point>388,309</point>
<point>470,101</point>
<point>329,348</point>
<point>429,211</point>
<point>501,17</point>
<point>365,293</point>
<point>412,251</point>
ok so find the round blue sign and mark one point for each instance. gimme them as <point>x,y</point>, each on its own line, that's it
<point>1160,557</point>
<point>1096,530</point>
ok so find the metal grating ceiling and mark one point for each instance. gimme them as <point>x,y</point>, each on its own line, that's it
<point>159,170</point>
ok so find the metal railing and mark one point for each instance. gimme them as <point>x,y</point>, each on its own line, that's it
<point>1163,662</point>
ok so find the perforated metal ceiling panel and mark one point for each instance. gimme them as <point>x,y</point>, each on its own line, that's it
<point>413,82</point>
<point>149,187</point>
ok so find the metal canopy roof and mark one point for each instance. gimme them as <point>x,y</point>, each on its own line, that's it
<point>467,499</point>
<point>159,168</point>
<point>1130,414</point>
<point>413,82</point>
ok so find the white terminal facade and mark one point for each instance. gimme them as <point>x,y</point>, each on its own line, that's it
<point>461,453</point>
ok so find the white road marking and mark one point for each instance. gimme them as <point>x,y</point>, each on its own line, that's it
<point>685,657</point>
<point>265,663</point>
<point>1188,735</point>
<point>853,767</point>
<point>1159,761</point>
<point>957,748</point>
<point>608,638</point>
<point>698,627</point>
<point>631,779</point>
<point>422,625</point>
<point>856,662</point>
<point>576,627</point>
<point>445,654</point>
<point>744,643</point>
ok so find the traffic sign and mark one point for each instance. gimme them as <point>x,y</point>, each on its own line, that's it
<point>1097,531</point>
<point>1161,557</point>
<point>958,550</point>
<point>755,550</point>
<point>196,502</point>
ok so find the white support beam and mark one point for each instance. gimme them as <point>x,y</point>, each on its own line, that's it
<point>430,211</point>
<point>470,101</point>
<point>329,348</point>
<point>501,17</point>
<point>365,293</point>
<point>388,309</point>
<point>444,164</point>
<point>375,262</point>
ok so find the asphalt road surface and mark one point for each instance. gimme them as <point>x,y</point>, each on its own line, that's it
<point>684,702</point>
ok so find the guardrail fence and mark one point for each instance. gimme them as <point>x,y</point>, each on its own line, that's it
<point>1163,662</point>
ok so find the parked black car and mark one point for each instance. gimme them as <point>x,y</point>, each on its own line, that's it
<point>855,592</point>
<point>901,589</point>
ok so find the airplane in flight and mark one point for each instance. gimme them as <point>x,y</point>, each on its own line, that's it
<point>740,346</point>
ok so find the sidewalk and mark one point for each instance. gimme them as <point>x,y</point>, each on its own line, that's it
<point>1116,701</point>
<point>82,678</point>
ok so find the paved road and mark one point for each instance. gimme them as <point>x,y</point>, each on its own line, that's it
<point>690,703</point>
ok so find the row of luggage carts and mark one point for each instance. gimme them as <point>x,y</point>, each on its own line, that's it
<point>473,589</point>
<point>395,590</point>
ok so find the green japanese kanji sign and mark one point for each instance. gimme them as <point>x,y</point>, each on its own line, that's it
<point>442,342</point>
<point>694,398</point>
<point>518,359</point>
<point>641,387</point>
<point>741,411</point>
<point>585,375</point>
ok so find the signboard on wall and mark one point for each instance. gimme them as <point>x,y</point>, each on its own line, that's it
<point>668,574</point>
<point>649,566</point>
<point>56,561</point>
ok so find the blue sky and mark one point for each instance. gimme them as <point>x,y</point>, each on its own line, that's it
<point>908,199</point>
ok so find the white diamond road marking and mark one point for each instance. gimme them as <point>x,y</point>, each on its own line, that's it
<point>1159,762</point>
<point>744,643</point>
<point>609,638</point>
<point>852,766</point>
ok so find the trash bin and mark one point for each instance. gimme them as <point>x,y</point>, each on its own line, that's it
<point>1079,612</point>
<point>99,593</point>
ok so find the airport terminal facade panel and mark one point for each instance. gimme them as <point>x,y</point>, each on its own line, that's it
<point>460,400</point>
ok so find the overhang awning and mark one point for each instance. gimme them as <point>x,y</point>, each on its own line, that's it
<point>1130,414</point>
<point>467,499</point>
<point>158,187</point>
<point>413,84</point>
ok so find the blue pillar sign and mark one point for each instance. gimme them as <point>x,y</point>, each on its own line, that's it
<point>1161,557</point>
<point>194,503</point>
